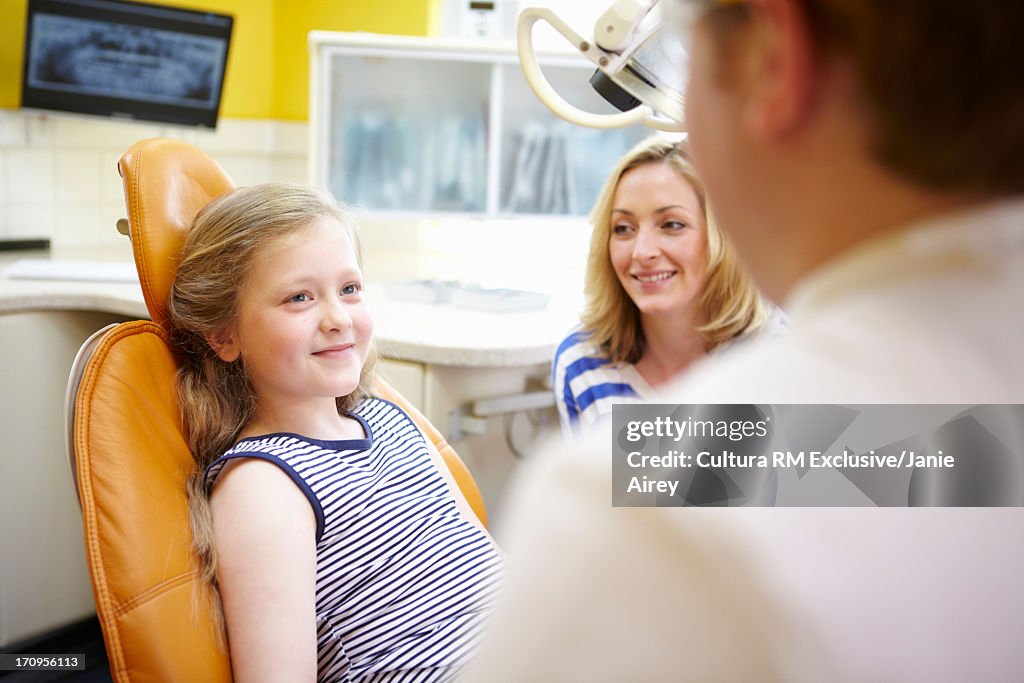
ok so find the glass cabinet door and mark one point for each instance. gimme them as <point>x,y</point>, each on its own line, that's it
<point>417,126</point>
<point>547,165</point>
<point>408,134</point>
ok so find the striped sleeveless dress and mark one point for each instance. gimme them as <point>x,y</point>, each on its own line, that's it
<point>404,584</point>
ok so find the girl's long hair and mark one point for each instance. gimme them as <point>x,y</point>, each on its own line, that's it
<point>215,398</point>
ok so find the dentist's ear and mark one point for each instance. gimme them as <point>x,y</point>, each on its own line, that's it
<point>785,68</point>
<point>225,344</point>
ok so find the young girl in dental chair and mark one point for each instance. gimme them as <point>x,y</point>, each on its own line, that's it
<point>328,527</point>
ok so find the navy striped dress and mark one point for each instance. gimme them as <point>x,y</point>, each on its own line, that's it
<point>404,583</point>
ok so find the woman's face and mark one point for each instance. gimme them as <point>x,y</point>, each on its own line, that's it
<point>658,241</point>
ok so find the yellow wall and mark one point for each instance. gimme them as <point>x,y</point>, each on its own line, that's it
<point>293,20</point>
<point>268,66</point>
<point>12,40</point>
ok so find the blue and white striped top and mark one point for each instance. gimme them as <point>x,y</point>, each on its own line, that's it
<point>404,583</point>
<point>587,383</point>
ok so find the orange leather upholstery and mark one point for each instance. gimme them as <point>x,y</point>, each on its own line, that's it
<point>131,458</point>
<point>132,464</point>
<point>166,182</point>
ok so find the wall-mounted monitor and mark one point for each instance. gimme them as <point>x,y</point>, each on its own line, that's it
<point>125,59</point>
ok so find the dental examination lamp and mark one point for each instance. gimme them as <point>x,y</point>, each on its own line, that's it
<point>640,66</point>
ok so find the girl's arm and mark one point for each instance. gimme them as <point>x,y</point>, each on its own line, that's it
<point>264,532</point>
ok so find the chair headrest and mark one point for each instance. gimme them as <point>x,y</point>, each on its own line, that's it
<point>166,183</point>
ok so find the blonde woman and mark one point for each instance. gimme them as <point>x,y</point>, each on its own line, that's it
<point>663,288</point>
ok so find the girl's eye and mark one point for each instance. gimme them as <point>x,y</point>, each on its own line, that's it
<point>622,229</point>
<point>300,297</point>
<point>351,288</point>
<point>674,225</point>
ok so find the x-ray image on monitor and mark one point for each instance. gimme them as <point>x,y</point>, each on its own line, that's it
<point>125,59</point>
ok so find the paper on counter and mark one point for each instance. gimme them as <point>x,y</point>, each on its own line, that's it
<point>91,271</point>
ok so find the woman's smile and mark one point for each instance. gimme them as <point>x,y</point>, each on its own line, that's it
<point>654,277</point>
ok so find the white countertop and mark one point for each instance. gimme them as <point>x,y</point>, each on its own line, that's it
<point>439,334</point>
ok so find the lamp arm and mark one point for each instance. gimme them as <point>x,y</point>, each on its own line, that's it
<point>614,30</point>
<point>642,114</point>
<point>539,83</point>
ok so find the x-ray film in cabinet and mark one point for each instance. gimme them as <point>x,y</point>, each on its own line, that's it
<point>423,126</point>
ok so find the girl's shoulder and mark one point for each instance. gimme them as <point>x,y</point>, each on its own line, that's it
<point>384,419</point>
<point>374,409</point>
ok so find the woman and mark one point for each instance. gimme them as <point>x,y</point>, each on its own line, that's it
<point>663,288</point>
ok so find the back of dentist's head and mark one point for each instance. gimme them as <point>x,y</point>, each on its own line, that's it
<point>940,83</point>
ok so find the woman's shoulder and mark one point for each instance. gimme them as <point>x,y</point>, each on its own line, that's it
<point>776,323</point>
<point>578,343</point>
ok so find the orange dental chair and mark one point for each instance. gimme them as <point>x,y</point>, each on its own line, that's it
<point>127,448</point>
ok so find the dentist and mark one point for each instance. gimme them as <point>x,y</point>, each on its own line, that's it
<point>864,156</point>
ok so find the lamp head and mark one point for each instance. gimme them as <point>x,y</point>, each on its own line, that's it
<point>640,65</point>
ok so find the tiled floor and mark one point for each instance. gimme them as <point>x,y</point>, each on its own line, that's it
<point>82,638</point>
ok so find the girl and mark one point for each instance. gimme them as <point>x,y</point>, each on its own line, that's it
<point>334,537</point>
<point>663,289</point>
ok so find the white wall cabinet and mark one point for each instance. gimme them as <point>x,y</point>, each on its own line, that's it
<point>425,126</point>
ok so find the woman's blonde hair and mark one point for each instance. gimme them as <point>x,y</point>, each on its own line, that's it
<point>215,397</point>
<point>731,303</point>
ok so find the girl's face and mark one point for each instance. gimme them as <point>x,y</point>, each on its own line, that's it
<point>658,241</point>
<point>303,329</point>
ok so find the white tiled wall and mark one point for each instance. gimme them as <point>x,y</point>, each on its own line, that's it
<point>58,174</point>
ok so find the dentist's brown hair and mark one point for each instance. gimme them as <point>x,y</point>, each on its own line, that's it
<point>940,82</point>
